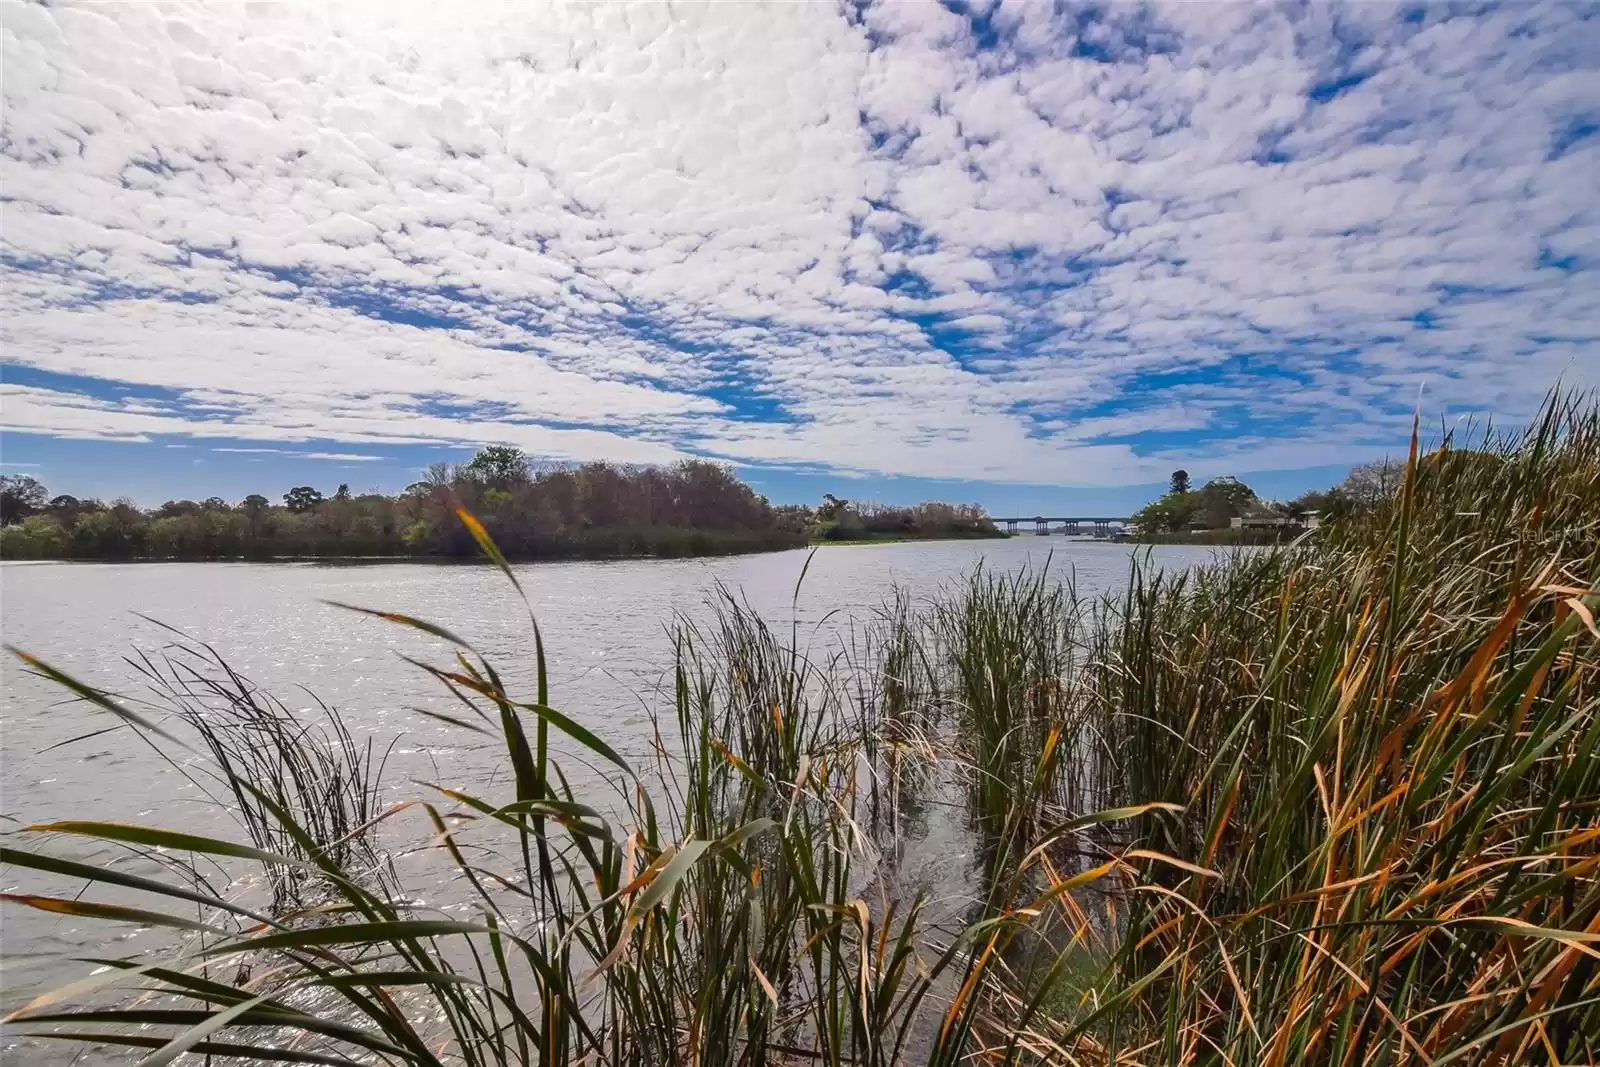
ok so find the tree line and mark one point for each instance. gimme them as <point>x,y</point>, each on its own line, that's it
<point>1214,506</point>
<point>593,510</point>
<point>852,520</point>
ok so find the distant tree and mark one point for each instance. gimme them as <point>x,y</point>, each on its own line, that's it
<point>36,537</point>
<point>1213,506</point>
<point>1229,490</point>
<point>215,503</point>
<point>831,508</point>
<point>418,489</point>
<point>66,509</point>
<point>255,508</point>
<point>498,465</point>
<point>343,492</point>
<point>1328,504</point>
<point>1171,513</point>
<point>1370,484</point>
<point>302,498</point>
<point>20,496</point>
<point>415,536</point>
<point>1180,482</point>
<point>794,517</point>
<point>1221,499</point>
<point>174,508</point>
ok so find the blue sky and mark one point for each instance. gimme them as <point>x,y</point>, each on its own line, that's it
<point>1033,256</point>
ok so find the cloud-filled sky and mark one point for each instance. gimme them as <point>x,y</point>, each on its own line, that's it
<point>995,245</point>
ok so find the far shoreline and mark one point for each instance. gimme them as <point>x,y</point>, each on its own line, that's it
<point>464,561</point>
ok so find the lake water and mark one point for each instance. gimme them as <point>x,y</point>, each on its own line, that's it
<point>605,629</point>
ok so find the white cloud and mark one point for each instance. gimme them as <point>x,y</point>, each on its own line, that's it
<point>348,457</point>
<point>783,235</point>
<point>33,410</point>
<point>355,457</point>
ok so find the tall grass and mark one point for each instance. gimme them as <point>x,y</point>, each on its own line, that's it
<point>308,765</point>
<point>1385,749</point>
<point>1009,648</point>
<point>1334,803</point>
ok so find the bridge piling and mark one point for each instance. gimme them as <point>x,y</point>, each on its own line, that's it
<point>1069,525</point>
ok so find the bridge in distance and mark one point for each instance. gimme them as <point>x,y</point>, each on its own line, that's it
<point>1070,525</point>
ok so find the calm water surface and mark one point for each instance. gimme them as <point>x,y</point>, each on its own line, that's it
<point>605,628</point>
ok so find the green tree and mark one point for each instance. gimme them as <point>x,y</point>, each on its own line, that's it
<point>415,536</point>
<point>16,544</point>
<point>498,465</point>
<point>110,532</point>
<point>1222,499</point>
<point>1212,506</point>
<point>301,499</point>
<point>1180,482</point>
<point>343,492</point>
<point>44,537</point>
<point>255,508</point>
<point>1169,514</point>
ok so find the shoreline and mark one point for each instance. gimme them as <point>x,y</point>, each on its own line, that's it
<point>819,542</point>
<point>477,560</point>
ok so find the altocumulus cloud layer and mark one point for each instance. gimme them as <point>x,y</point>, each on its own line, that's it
<point>1009,242</point>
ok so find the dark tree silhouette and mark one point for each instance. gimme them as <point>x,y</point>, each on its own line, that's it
<point>20,496</point>
<point>1180,482</point>
<point>302,498</point>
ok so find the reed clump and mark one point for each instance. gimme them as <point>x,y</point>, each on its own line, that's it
<point>306,763</point>
<point>1384,749</point>
<point>1330,803</point>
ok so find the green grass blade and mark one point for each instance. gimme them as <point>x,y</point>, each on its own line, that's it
<point>89,909</point>
<point>152,837</point>
<point>111,876</point>
<point>220,1049</point>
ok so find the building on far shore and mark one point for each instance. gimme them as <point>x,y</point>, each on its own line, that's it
<point>1270,520</point>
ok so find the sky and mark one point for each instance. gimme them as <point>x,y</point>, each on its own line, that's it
<point>1027,255</point>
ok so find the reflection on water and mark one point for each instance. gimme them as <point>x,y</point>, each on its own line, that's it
<point>606,632</point>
